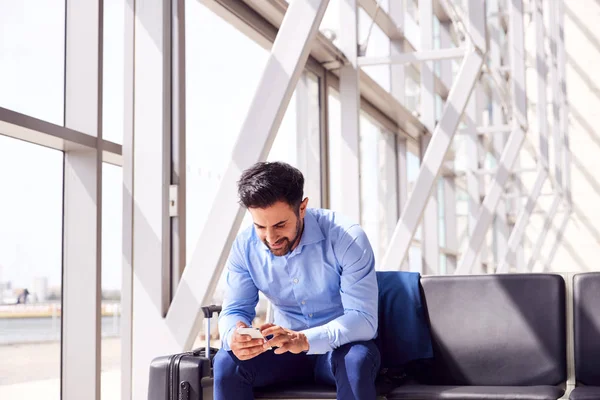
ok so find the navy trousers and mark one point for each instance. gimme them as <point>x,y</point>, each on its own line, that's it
<point>352,368</point>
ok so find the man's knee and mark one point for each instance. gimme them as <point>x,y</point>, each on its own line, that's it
<point>225,367</point>
<point>360,357</point>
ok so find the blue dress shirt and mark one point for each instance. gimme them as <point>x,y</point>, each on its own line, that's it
<point>326,287</point>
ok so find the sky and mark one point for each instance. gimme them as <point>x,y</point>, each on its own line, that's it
<point>223,69</point>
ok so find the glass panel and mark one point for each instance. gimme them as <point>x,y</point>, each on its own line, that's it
<point>284,147</point>
<point>30,270</point>
<point>415,261</point>
<point>369,191</point>
<point>113,85</point>
<point>214,115</point>
<point>334,145</point>
<point>112,260</point>
<point>443,264</point>
<point>378,45</point>
<point>32,58</point>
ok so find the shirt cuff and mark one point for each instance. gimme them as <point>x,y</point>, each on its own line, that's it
<point>227,339</point>
<point>318,340</point>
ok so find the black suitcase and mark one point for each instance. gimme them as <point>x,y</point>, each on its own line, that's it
<point>184,376</point>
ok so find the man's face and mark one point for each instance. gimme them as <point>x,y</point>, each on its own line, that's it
<point>278,226</point>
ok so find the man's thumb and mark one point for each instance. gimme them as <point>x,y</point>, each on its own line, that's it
<point>241,324</point>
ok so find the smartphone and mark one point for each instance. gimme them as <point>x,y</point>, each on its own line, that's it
<point>254,333</point>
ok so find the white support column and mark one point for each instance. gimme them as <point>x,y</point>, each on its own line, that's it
<point>178,146</point>
<point>128,206</point>
<point>537,248</point>
<point>282,72</point>
<point>433,160</point>
<point>350,109</point>
<point>397,83</point>
<point>518,230</point>
<point>308,139</point>
<point>151,180</point>
<point>430,244</point>
<point>82,226</point>
<point>513,146</point>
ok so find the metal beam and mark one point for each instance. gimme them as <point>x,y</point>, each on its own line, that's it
<point>433,161</point>
<point>415,57</point>
<point>348,172</point>
<point>128,206</point>
<point>397,86</point>
<point>513,146</point>
<point>151,158</point>
<point>82,224</point>
<point>178,142</point>
<point>392,27</point>
<point>282,72</point>
<point>518,230</point>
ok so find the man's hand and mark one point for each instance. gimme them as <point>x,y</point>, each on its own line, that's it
<point>243,346</point>
<point>284,339</point>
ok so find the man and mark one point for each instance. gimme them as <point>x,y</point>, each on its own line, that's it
<point>317,269</point>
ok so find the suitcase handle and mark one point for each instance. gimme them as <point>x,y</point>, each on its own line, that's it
<point>210,310</point>
<point>208,314</point>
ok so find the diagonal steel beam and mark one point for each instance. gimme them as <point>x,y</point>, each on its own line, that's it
<point>515,141</point>
<point>432,162</point>
<point>537,248</point>
<point>542,127</point>
<point>518,230</point>
<point>282,72</point>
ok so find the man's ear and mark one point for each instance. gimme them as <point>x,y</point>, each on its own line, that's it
<point>303,206</point>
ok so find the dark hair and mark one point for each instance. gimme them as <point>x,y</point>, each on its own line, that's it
<point>266,183</point>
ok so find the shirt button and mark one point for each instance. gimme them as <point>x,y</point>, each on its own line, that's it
<point>295,280</point>
<point>310,315</point>
<point>303,302</point>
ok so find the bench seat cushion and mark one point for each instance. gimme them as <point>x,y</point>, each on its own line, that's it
<point>585,393</point>
<point>431,392</point>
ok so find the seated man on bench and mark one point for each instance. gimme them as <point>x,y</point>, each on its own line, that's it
<point>317,268</point>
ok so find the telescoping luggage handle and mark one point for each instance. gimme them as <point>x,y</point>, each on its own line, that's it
<point>208,314</point>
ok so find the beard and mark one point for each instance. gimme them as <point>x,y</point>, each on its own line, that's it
<point>287,243</point>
